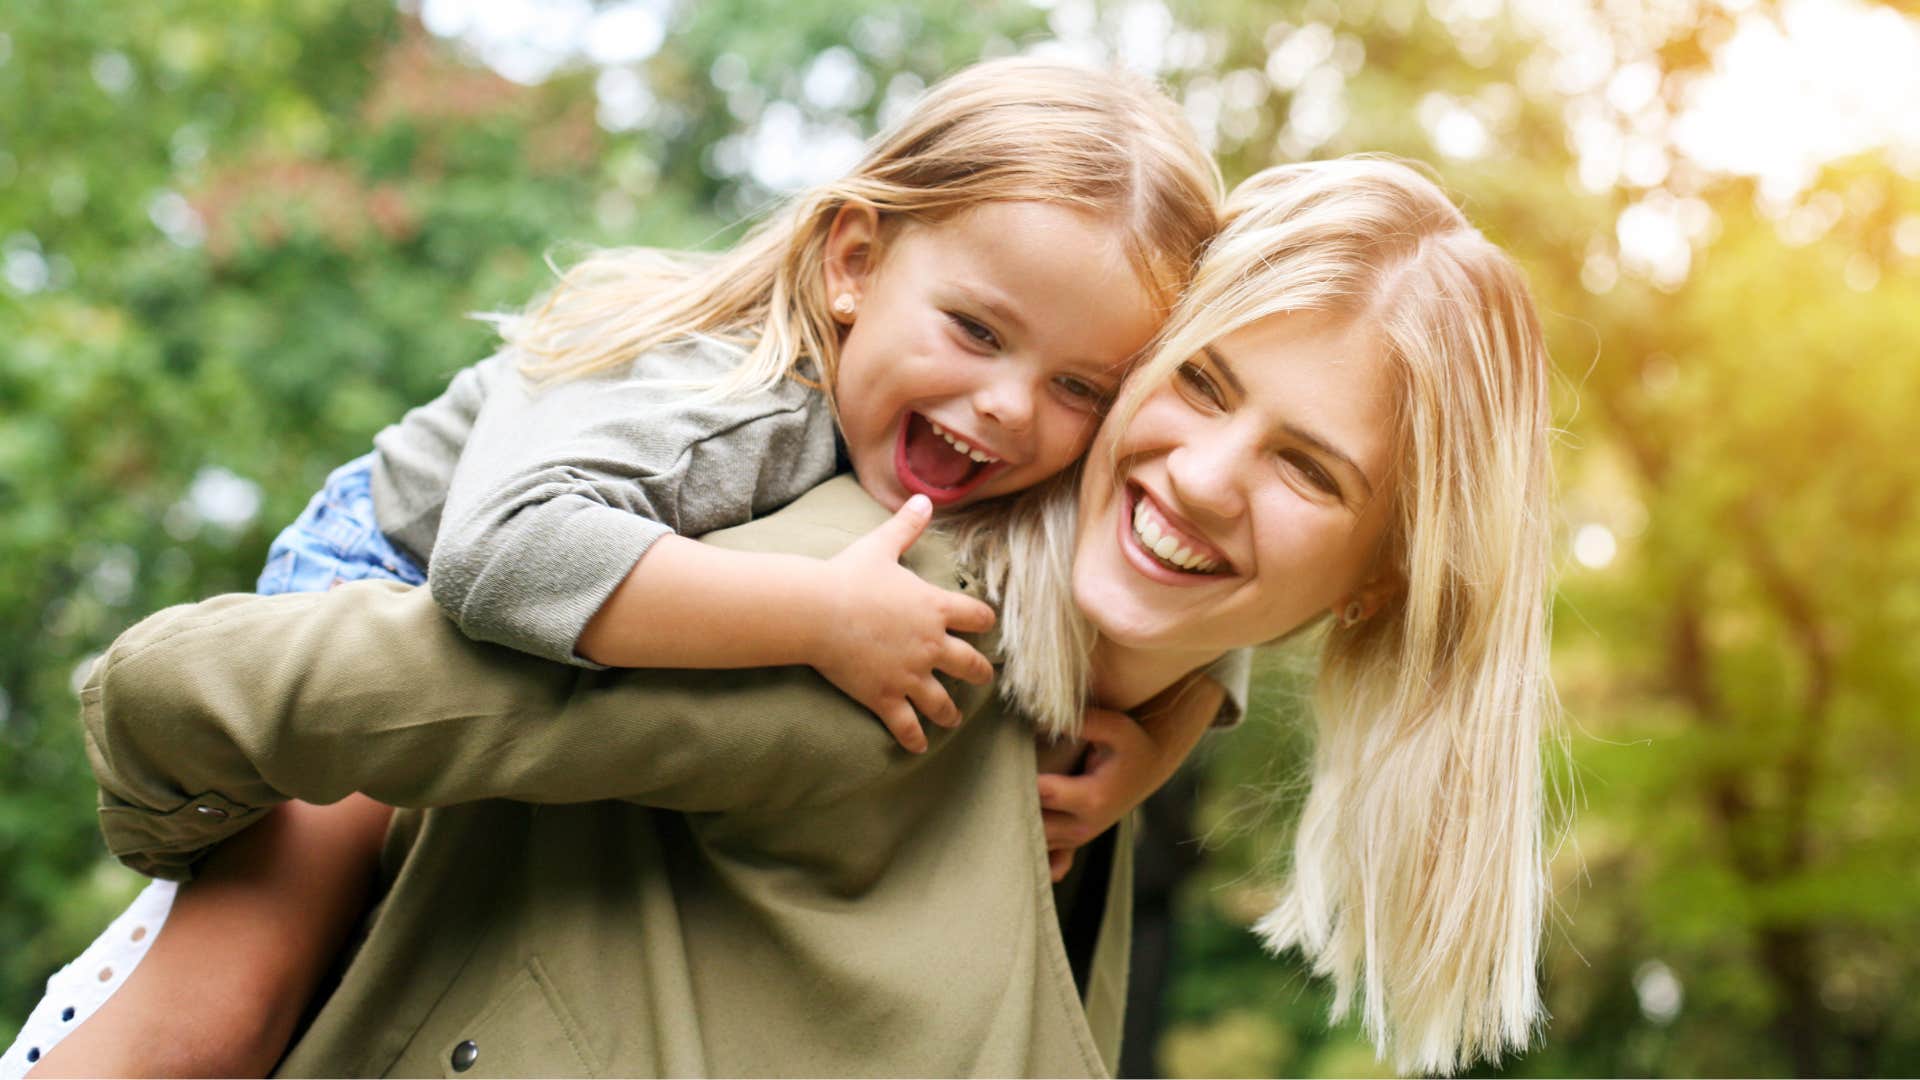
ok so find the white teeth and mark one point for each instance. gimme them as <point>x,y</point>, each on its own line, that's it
<point>1144,525</point>
<point>1166,546</point>
<point>980,456</point>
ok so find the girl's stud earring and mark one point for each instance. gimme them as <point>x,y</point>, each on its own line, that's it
<point>844,305</point>
<point>1352,614</point>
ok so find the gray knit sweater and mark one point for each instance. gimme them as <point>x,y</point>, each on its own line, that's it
<point>529,507</point>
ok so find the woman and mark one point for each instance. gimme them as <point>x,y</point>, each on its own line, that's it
<point>1347,417</point>
<point>1348,414</point>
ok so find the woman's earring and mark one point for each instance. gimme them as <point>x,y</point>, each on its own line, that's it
<point>844,305</point>
<point>1352,613</point>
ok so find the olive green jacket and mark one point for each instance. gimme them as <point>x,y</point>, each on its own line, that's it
<point>743,875</point>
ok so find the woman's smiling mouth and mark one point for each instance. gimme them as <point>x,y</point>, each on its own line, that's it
<point>1163,549</point>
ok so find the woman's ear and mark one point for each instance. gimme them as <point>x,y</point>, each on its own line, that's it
<point>1366,601</point>
<point>851,253</point>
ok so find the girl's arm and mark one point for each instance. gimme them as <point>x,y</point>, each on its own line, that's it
<point>199,715</point>
<point>872,627</point>
<point>562,533</point>
<point>243,949</point>
<point>559,492</point>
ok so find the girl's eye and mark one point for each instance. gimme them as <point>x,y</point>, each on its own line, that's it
<point>1311,470</point>
<point>1196,383</point>
<point>977,332</point>
<point>1083,393</point>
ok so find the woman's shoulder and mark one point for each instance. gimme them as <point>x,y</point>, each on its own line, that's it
<point>818,523</point>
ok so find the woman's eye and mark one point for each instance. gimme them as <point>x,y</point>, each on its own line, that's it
<point>976,331</point>
<point>1195,380</point>
<point>1314,474</point>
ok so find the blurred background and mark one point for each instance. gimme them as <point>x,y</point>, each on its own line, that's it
<point>237,238</point>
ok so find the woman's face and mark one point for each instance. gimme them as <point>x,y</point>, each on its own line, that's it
<point>1250,494</point>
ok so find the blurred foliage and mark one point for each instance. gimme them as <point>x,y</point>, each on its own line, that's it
<point>238,238</point>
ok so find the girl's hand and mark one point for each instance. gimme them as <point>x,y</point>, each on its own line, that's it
<point>1126,761</point>
<point>1123,765</point>
<point>887,631</point>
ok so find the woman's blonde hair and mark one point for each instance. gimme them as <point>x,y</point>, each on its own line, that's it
<point>1107,143</point>
<point>1417,879</point>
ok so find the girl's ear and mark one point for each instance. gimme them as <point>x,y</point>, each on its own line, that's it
<point>852,250</point>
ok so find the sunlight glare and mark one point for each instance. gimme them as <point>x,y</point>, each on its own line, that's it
<point>1594,546</point>
<point>1829,79</point>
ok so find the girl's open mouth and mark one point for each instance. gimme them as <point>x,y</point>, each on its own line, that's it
<point>936,463</point>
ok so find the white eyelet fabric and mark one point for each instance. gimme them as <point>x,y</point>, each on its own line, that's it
<point>84,985</point>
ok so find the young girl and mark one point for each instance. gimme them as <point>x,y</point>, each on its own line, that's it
<point>949,321</point>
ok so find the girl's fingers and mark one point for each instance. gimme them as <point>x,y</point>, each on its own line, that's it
<point>905,726</point>
<point>934,703</point>
<point>965,615</point>
<point>1061,830</point>
<point>964,662</point>
<point>1065,831</point>
<point>1065,794</point>
<point>895,535</point>
<point>1059,861</point>
<point>1114,734</point>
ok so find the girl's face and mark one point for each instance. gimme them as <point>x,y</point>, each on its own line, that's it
<point>983,348</point>
<point>1250,494</point>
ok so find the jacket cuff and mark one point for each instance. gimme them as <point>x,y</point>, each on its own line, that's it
<point>169,843</point>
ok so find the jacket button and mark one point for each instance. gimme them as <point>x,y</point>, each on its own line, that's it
<point>213,812</point>
<point>465,1055</point>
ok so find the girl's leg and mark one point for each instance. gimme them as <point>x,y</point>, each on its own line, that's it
<point>244,946</point>
<point>77,990</point>
<point>236,961</point>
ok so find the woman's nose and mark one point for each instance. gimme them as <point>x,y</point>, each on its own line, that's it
<point>1206,473</point>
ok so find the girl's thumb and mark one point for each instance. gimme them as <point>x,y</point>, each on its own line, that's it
<point>907,524</point>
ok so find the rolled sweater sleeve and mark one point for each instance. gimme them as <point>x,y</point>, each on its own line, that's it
<point>561,489</point>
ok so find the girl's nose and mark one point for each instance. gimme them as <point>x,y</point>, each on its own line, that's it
<point>1008,401</point>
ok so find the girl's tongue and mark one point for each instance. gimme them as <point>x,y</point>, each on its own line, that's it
<point>933,459</point>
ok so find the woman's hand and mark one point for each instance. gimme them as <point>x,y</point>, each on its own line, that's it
<point>888,631</point>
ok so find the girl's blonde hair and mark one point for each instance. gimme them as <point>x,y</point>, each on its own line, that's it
<point>1417,878</point>
<point>1105,142</point>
